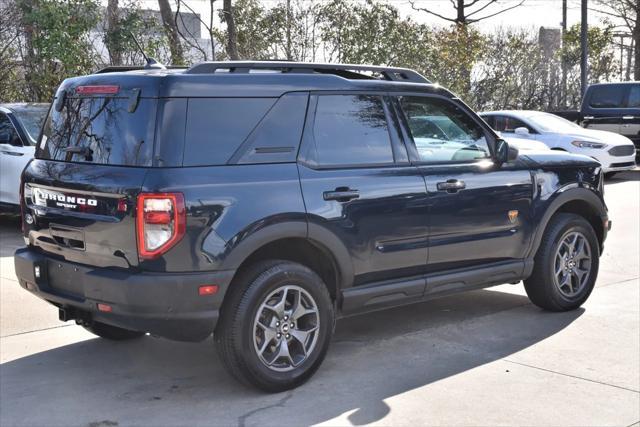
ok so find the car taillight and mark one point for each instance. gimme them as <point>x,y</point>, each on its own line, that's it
<point>160,221</point>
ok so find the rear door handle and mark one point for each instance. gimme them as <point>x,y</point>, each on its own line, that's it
<point>451,185</point>
<point>341,194</point>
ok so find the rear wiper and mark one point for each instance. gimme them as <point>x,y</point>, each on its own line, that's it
<point>85,152</point>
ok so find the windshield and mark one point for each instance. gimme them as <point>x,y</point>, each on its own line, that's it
<point>551,123</point>
<point>31,119</point>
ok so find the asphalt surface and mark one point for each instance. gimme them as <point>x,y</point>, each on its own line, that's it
<point>482,358</point>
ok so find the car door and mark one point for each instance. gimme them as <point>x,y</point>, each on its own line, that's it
<point>360,189</point>
<point>479,211</point>
<point>14,156</point>
<point>630,126</point>
<point>603,107</point>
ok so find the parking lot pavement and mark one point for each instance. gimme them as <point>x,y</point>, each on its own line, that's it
<point>483,358</point>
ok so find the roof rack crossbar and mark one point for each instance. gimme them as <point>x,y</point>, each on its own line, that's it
<point>388,73</point>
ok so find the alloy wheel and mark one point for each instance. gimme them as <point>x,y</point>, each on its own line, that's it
<point>572,264</point>
<point>286,328</point>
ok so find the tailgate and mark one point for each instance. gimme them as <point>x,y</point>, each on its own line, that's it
<point>83,213</point>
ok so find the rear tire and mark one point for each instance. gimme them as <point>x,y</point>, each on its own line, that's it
<point>566,264</point>
<point>275,328</point>
<point>112,332</point>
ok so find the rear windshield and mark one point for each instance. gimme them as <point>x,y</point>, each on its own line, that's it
<point>100,131</point>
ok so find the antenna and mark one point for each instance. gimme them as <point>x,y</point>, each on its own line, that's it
<point>151,63</point>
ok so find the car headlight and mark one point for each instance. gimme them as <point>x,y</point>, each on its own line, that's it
<point>587,144</point>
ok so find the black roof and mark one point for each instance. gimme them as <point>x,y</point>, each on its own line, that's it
<point>257,79</point>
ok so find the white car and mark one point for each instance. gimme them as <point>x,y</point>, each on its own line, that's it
<point>614,152</point>
<point>19,129</point>
<point>524,144</point>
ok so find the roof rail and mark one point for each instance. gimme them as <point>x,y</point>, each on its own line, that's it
<point>123,68</point>
<point>349,71</point>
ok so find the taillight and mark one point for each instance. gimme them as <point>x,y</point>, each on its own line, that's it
<point>161,222</point>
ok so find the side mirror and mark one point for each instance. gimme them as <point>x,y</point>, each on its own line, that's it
<point>5,138</point>
<point>521,131</point>
<point>505,153</point>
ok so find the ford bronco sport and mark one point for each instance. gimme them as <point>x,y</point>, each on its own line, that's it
<point>260,201</point>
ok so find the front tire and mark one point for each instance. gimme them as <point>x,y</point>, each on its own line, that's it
<point>275,329</point>
<point>566,264</point>
<point>112,333</point>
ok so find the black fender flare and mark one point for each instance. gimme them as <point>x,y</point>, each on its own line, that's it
<point>246,245</point>
<point>321,236</point>
<point>313,233</point>
<point>560,198</point>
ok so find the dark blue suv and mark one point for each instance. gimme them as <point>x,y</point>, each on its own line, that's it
<point>260,201</point>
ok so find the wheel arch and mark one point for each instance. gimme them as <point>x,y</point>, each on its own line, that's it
<point>579,201</point>
<point>306,244</point>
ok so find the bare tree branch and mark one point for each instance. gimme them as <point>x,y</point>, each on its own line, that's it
<point>414,7</point>
<point>499,12</point>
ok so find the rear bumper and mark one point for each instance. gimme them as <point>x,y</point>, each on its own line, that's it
<point>164,304</point>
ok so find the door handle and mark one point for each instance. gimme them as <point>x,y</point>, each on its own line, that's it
<point>588,117</point>
<point>341,194</point>
<point>12,153</point>
<point>451,185</point>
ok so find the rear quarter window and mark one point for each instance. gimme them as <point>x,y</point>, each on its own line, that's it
<point>217,127</point>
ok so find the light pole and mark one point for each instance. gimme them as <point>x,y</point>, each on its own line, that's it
<point>584,48</point>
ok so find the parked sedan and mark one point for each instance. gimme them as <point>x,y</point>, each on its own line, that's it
<point>615,152</point>
<point>19,129</point>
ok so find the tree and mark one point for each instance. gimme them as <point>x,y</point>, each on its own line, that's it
<point>469,12</point>
<point>457,50</point>
<point>371,32</point>
<point>627,13</point>
<point>511,73</point>
<point>9,36</point>
<point>205,52</point>
<point>602,58</point>
<point>232,35</point>
<point>112,33</point>
<point>170,26</point>
<point>55,43</point>
<point>126,20</point>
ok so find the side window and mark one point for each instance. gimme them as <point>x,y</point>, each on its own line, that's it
<point>216,127</point>
<point>607,96</point>
<point>277,137</point>
<point>634,97</point>
<point>509,124</point>
<point>8,133</point>
<point>442,131</point>
<point>491,121</point>
<point>351,130</point>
